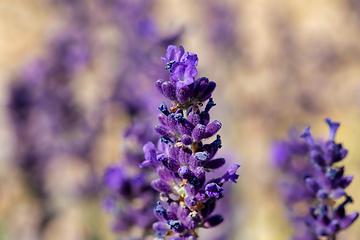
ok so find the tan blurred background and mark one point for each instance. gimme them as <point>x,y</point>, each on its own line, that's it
<point>293,63</point>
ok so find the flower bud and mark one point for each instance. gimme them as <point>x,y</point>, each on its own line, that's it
<point>213,221</point>
<point>161,186</point>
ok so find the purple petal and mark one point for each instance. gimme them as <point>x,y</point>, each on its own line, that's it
<point>213,190</point>
<point>161,186</point>
<point>337,193</point>
<point>198,132</point>
<point>172,53</point>
<point>307,136</point>
<point>160,226</point>
<point>333,128</point>
<point>348,220</point>
<point>212,129</point>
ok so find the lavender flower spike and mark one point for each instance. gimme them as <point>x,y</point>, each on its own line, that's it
<point>188,195</point>
<point>290,158</point>
<point>328,183</point>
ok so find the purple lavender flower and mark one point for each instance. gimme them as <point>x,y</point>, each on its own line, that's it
<point>311,178</point>
<point>328,183</point>
<point>129,196</point>
<point>130,199</point>
<point>181,159</point>
<point>183,74</point>
<point>173,54</point>
<point>290,157</point>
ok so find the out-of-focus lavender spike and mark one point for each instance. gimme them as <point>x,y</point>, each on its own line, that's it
<point>331,183</point>
<point>325,183</point>
<point>129,196</point>
<point>290,157</point>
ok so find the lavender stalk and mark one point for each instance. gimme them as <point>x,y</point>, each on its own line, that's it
<point>328,184</point>
<point>130,198</point>
<point>290,158</point>
<point>182,161</point>
<point>314,181</point>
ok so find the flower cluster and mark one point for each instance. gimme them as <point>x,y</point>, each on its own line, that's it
<point>290,157</point>
<point>181,159</point>
<point>130,198</point>
<point>328,184</point>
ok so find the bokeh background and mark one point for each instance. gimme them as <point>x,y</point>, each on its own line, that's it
<point>277,64</point>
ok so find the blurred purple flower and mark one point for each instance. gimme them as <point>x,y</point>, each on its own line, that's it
<point>129,196</point>
<point>290,157</point>
<point>313,179</point>
<point>328,183</point>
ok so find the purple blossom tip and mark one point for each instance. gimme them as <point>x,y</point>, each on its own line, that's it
<point>337,193</point>
<point>183,75</point>
<point>333,128</point>
<point>213,190</point>
<point>173,54</point>
<point>230,174</point>
<point>307,136</point>
<point>150,155</point>
<point>348,220</point>
<point>190,59</point>
<point>212,129</point>
<point>233,168</point>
